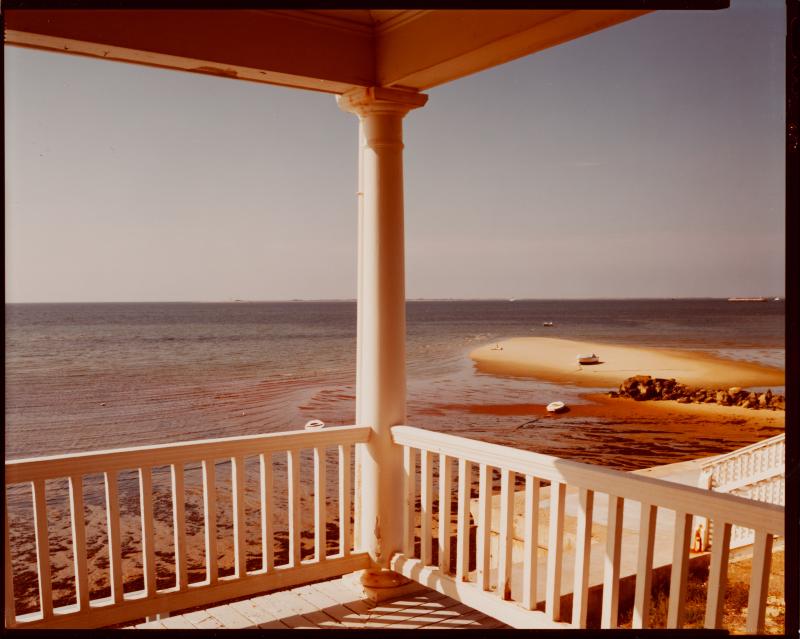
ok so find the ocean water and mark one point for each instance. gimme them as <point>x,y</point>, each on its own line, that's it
<point>97,376</point>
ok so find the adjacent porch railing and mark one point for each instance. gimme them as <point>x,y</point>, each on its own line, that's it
<point>489,588</point>
<point>756,472</point>
<point>122,606</point>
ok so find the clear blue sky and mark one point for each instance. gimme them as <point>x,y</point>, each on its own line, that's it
<point>646,160</point>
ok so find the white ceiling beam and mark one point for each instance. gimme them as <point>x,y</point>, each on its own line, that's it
<point>441,46</point>
<point>264,46</point>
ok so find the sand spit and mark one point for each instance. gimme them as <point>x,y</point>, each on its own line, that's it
<point>555,360</point>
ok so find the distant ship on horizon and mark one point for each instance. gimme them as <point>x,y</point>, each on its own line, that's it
<point>747,299</point>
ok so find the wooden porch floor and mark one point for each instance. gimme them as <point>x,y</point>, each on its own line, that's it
<point>333,604</point>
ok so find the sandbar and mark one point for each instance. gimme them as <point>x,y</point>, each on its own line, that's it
<point>555,360</point>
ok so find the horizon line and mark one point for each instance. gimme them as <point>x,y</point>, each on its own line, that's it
<point>410,299</point>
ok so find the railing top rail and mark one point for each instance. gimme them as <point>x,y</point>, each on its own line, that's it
<point>56,466</point>
<point>714,461</point>
<point>657,492</point>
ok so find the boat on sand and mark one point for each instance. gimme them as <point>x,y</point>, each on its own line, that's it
<point>588,359</point>
<point>556,407</point>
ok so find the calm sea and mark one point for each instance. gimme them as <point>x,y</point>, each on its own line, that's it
<point>95,376</point>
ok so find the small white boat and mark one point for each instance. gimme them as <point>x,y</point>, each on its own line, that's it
<point>588,359</point>
<point>547,323</point>
<point>315,424</point>
<point>556,407</point>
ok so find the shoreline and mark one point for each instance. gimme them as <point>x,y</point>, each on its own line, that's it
<point>600,405</point>
<point>555,360</point>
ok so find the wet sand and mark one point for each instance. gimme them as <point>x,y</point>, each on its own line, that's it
<point>555,360</point>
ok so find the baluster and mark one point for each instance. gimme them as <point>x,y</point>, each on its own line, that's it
<point>210,508</point>
<point>114,543</point>
<point>462,533</point>
<point>293,467</point>
<point>359,453</point>
<point>445,486</point>
<point>555,549</point>
<point>759,582</point>
<point>680,569</point>
<point>506,533</point>
<point>409,507</point>
<point>718,576</point>
<point>531,542</point>
<point>426,498</point>
<point>345,530</point>
<point>583,541</point>
<point>79,540</point>
<point>484,525</point>
<point>644,566</point>
<point>320,540</point>
<point>265,477</point>
<point>10,611</point>
<point>148,548</point>
<point>239,521</point>
<point>179,525</point>
<point>42,548</point>
<point>613,555</point>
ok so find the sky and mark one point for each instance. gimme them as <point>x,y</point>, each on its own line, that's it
<point>645,160</point>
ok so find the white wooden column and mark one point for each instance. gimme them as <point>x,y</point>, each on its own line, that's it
<point>381,374</point>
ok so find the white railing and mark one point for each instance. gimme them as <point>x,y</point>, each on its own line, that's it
<point>756,472</point>
<point>494,596</point>
<point>748,465</point>
<point>121,605</point>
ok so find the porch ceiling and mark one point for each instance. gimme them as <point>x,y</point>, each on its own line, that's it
<point>322,50</point>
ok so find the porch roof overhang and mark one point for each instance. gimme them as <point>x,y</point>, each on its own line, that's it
<point>323,50</point>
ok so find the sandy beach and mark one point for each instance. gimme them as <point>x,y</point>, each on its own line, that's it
<point>555,360</point>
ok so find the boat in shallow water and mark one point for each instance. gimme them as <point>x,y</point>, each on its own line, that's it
<point>556,407</point>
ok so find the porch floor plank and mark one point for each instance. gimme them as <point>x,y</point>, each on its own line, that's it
<point>332,604</point>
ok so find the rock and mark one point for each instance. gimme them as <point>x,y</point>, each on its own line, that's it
<point>644,387</point>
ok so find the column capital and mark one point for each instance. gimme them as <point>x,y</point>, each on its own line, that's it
<point>368,100</point>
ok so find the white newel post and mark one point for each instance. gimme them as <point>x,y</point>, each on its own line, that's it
<point>381,372</point>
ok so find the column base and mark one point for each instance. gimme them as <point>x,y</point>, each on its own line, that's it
<point>376,584</point>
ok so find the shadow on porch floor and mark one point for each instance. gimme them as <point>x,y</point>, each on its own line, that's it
<point>332,604</point>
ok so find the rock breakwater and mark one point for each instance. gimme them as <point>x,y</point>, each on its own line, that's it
<point>644,387</point>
